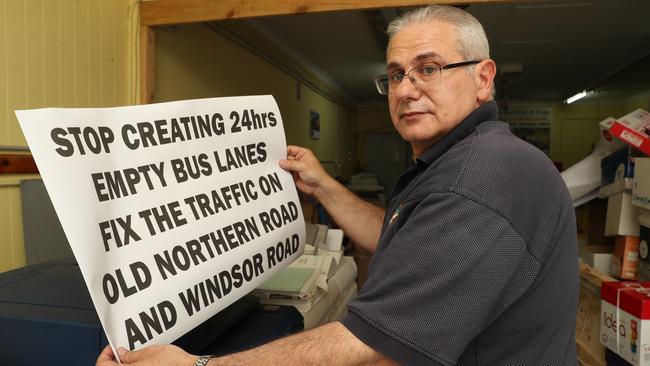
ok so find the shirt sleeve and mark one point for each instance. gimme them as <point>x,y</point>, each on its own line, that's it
<point>450,267</point>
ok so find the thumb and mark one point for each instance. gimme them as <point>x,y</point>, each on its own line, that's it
<point>124,355</point>
<point>292,165</point>
<point>105,356</point>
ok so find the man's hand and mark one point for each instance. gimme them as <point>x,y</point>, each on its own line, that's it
<point>153,355</point>
<point>307,172</point>
<point>329,344</point>
<point>106,358</point>
<point>343,206</point>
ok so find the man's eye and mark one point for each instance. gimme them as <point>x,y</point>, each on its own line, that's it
<point>429,70</point>
<point>397,77</point>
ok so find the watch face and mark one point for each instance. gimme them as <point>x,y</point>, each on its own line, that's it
<point>202,360</point>
<point>643,249</point>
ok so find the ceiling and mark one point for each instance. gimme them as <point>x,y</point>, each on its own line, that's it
<point>545,50</point>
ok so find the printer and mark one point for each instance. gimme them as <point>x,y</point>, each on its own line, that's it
<point>48,318</point>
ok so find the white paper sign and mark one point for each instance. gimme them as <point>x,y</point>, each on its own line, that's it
<point>173,210</point>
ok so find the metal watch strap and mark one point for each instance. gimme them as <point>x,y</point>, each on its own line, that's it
<point>203,360</point>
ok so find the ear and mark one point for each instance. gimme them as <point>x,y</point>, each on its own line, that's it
<point>484,74</point>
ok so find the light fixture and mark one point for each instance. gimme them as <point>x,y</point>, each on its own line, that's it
<point>578,96</point>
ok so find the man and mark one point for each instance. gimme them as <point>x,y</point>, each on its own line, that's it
<point>475,257</point>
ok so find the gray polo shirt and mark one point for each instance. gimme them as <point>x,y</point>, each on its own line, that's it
<point>477,260</point>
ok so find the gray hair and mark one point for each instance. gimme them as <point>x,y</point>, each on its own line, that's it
<point>471,42</point>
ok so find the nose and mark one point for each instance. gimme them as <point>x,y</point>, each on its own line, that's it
<point>407,89</point>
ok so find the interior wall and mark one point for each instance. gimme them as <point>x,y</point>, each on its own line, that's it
<point>12,243</point>
<point>641,100</point>
<point>577,126</point>
<point>57,53</point>
<point>381,150</point>
<point>368,120</point>
<point>193,61</point>
<point>574,129</point>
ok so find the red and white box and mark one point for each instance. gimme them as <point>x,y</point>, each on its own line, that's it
<point>625,320</point>
<point>634,130</point>
<point>612,143</point>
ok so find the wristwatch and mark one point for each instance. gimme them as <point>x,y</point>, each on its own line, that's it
<point>203,360</point>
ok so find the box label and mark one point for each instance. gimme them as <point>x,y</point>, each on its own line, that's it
<point>623,331</point>
<point>631,138</point>
<point>625,334</point>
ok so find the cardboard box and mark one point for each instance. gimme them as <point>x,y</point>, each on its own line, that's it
<point>605,125</point>
<point>598,257</point>
<point>641,183</point>
<point>613,359</point>
<point>624,185</point>
<point>622,217</point>
<point>625,260</point>
<point>644,217</point>
<point>634,130</point>
<point>644,240</point>
<point>616,172</point>
<point>643,271</point>
<point>616,166</point>
<point>625,320</point>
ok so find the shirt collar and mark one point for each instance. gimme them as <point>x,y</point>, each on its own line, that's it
<point>486,112</point>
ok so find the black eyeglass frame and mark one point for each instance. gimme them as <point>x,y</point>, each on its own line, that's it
<point>384,78</point>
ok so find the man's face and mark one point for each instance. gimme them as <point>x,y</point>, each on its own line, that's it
<point>424,112</point>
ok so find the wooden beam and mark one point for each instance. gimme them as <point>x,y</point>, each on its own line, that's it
<point>591,276</point>
<point>165,12</point>
<point>17,164</point>
<point>147,62</point>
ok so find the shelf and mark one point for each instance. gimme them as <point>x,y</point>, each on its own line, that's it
<point>590,351</point>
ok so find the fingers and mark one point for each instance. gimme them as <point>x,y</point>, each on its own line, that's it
<point>299,159</point>
<point>287,164</point>
<point>106,357</point>
<point>143,354</point>
<point>127,356</point>
<point>156,355</point>
<point>299,153</point>
<point>292,165</point>
<point>293,150</point>
<point>147,353</point>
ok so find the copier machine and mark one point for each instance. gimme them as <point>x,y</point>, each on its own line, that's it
<point>48,318</point>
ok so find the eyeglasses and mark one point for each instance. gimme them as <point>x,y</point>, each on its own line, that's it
<point>425,73</point>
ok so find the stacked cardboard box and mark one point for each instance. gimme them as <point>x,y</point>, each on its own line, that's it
<point>625,260</point>
<point>641,199</point>
<point>625,306</point>
<point>625,320</point>
<point>617,170</point>
<point>634,130</point>
<point>622,219</point>
<point>641,184</point>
